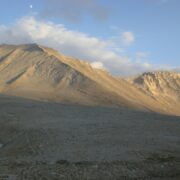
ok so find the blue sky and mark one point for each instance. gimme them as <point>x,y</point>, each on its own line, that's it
<point>153,26</point>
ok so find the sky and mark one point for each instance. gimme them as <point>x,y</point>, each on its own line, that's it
<point>125,37</point>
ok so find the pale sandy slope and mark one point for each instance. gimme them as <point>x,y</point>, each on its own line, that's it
<point>38,72</point>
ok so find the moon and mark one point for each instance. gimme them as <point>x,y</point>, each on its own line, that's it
<point>31,6</point>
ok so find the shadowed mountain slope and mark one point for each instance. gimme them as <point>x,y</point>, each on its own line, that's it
<point>41,73</point>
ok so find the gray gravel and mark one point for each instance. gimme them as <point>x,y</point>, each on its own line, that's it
<point>48,135</point>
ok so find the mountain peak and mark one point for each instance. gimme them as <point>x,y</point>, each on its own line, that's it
<point>30,47</point>
<point>164,86</point>
<point>25,47</point>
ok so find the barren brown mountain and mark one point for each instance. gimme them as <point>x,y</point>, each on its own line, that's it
<point>60,118</point>
<point>41,73</point>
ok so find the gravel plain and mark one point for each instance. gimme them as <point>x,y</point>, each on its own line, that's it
<point>43,140</point>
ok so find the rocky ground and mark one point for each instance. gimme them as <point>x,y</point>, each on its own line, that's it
<point>41,140</point>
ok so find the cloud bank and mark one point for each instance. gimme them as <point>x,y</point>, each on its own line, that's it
<point>96,51</point>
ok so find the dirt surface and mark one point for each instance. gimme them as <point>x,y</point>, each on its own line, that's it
<point>40,140</point>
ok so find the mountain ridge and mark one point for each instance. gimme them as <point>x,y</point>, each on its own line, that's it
<point>42,73</point>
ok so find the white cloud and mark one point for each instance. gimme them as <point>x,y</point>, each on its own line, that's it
<point>73,43</point>
<point>127,37</point>
<point>98,65</point>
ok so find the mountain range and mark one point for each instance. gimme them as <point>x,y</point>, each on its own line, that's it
<point>41,73</point>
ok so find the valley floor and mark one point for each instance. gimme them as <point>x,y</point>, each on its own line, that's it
<point>41,140</point>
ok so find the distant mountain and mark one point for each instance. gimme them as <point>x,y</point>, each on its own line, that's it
<point>41,73</point>
<point>164,87</point>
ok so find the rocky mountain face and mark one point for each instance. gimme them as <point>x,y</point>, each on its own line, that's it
<point>166,84</point>
<point>41,73</point>
<point>164,87</point>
